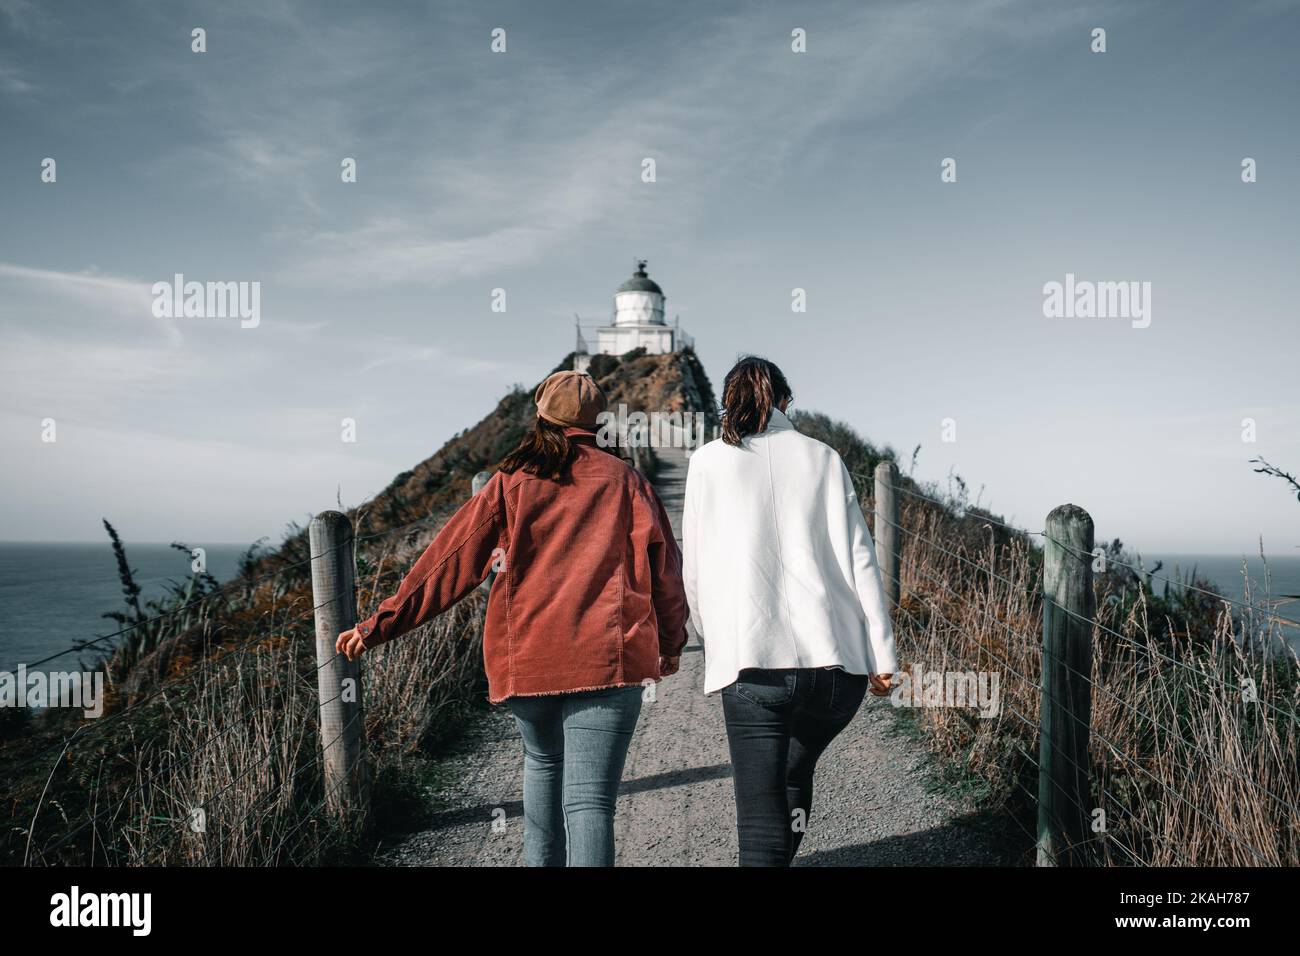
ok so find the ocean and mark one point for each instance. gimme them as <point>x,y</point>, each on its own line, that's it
<point>52,595</point>
<point>1275,582</point>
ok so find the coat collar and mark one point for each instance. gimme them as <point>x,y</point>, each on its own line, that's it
<point>778,421</point>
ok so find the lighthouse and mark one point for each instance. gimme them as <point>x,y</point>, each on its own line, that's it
<point>637,322</point>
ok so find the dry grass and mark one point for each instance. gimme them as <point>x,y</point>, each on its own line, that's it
<point>260,777</point>
<point>1186,768</point>
<point>223,766</point>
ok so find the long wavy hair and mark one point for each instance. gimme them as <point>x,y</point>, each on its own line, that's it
<point>545,452</point>
<point>752,388</point>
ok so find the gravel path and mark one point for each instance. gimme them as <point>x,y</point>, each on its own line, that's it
<point>873,804</point>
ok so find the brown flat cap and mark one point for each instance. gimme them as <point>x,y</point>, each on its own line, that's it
<point>571,399</point>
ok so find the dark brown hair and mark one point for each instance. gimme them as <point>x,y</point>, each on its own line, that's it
<point>545,452</point>
<point>752,388</point>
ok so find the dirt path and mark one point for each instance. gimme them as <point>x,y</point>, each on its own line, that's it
<point>873,804</point>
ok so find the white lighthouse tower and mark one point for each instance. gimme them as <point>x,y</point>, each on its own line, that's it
<point>638,321</point>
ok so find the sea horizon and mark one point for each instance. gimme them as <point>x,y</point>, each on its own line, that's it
<point>56,593</point>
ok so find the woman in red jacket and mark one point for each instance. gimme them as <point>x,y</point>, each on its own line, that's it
<point>587,607</point>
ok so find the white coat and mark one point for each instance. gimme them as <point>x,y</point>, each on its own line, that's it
<point>779,567</point>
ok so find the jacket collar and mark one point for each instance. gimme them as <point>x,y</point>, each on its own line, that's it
<point>584,435</point>
<point>778,421</point>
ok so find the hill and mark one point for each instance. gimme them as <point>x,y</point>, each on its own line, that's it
<point>664,383</point>
<point>211,701</point>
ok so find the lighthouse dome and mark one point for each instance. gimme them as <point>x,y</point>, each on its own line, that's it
<point>639,300</point>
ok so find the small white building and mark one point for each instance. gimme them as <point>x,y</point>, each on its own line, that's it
<point>637,322</point>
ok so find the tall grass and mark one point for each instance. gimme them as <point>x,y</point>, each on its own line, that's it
<point>258,780</point>
<point>218,761</point>
<point>1188,768</point>
<point>1194,751</point>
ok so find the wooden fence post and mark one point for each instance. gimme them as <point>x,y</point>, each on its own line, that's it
<point>888,540</point>
<point>1064,787</point>
<point>338,680</point>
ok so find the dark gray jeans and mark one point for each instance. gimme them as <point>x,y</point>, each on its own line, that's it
<point>574,749</point>
<point>778,724</point>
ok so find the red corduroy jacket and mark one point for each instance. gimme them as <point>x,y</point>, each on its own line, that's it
<point>589,590</point>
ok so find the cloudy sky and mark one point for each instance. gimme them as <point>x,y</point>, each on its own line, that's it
<point>775,170</point>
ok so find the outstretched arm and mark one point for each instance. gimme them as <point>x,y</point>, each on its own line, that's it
<point>455,562</point>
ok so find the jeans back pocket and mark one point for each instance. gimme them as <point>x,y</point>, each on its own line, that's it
<point>847,692</point>
<point>767,688</point>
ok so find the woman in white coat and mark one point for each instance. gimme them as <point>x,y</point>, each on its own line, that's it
<point>785,592</point>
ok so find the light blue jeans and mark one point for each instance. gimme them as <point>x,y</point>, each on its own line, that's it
<point>574,749</point>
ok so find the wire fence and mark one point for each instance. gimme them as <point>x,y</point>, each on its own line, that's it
<point>1177,764</point>
<point>177,693</point>
<point>1189,748</point>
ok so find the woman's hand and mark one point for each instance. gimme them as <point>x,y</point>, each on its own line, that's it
<point>349,644</point>
<point>669,665</point>
<point>881,684</point>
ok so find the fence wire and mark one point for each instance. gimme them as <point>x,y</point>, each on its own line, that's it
<point>192,677</point>
<point>971,604</point>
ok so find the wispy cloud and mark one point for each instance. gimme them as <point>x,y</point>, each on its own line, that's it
<point>20,15</point>
<point>81,301</point>
<point>729,101</point>
<point>12,81</point>
<point>465,180</point>
<point>397,354</point>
